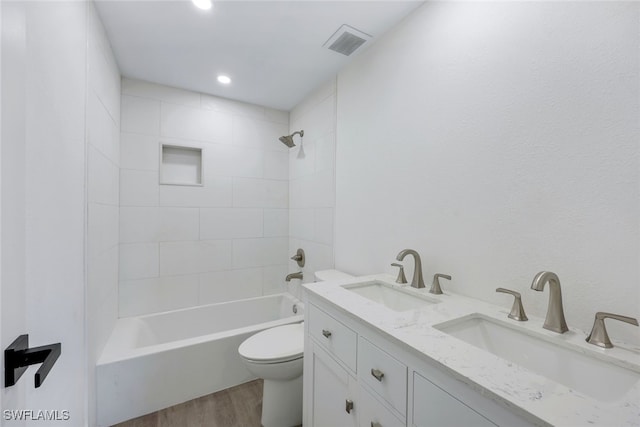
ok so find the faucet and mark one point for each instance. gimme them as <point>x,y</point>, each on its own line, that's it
<point>555,314</point>
<point>417,281</point>
<point>290,276</point>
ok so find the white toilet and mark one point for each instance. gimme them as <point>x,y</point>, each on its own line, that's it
<point>276,356</point>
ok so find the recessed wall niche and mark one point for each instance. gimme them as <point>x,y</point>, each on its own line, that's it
<point>180,165</point>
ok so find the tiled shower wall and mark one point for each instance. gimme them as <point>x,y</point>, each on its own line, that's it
<point>312,182</point>
<point>103,159</point>
<point>183,246</point>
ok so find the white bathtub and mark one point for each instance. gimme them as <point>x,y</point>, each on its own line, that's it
<point>159,360</point>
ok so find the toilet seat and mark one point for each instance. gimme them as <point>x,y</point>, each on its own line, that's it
<point>276,345</point>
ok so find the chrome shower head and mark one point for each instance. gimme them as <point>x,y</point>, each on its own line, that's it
<point>288,139</point>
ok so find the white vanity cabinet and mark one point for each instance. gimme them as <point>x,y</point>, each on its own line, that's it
<point>355,375</point>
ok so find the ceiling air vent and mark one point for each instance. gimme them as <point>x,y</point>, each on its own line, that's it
<point>346,40</point>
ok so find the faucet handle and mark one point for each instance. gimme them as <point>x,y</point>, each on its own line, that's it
<point>401,277</point>
<point>435,285</point>
<point>598,335</point>
<point>517,310</point>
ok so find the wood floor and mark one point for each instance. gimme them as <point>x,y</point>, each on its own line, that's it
<point>239,406</point>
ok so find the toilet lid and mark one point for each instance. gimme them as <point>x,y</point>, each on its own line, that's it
<point>274,345</point>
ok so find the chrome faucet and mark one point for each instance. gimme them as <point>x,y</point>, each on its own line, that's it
<point>598,335</point>
<point>417,281</point>
<point>555,314</point>
<point>290,276</point>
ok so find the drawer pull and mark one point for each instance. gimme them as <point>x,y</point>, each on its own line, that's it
<point>375,424</point>
<point>326,333</point>
<point>348,406</point>
<point>378,374</point>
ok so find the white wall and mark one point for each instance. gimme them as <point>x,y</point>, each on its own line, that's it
<point>12,191</point>
<point>182,246</point>
<point>499,140</point>
<point>312,182</point>
<point>103,162</point>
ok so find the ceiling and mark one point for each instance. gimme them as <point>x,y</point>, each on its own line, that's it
<point>272,50</point>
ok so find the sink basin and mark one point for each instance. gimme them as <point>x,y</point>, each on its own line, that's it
<point>396,299</point>
<point>589,375</point>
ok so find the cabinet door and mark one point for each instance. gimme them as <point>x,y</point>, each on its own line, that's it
<point>433,406</point>
<point>333,387</point>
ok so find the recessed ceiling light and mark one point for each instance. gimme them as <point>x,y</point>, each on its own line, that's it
<point>225,80</point>
<point>203,4</point>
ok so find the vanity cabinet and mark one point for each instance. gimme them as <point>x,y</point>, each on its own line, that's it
<point>433,406</point>
<point>354,375</point>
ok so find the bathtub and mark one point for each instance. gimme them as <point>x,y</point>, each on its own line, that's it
<point>155,361</point>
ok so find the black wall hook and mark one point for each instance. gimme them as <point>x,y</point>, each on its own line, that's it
<point>18,356</point>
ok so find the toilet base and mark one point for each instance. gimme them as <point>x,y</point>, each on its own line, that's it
<point>282,403</point>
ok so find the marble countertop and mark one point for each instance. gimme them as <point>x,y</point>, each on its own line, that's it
<point>537,398</point>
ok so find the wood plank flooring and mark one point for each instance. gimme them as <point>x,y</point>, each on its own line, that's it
<point>239,406</point>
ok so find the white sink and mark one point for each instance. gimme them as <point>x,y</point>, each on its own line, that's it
<point>583,373</point>
<point>394,298</point>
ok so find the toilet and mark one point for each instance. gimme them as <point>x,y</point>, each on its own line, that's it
<point>276,355</point>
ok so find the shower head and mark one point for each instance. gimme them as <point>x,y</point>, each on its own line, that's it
<point>288,139</point>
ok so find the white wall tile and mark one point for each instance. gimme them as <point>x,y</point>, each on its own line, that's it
<point>275,250</point>
<point>195,124</point>
<point>234,223</point>
<point>157,294</point>
<point>323,226</point>
<point>102,177</point>
<point>102,131</point>
<point>276,165</point>
<point>301,223</point>
<point>158,92</point>
<point>258,134</point>
<point>302,166</point>
<point>260,193</point>
<point>177,258</point>
<point>138,188</point>
<point>179,224</point>
<point>216,192</point>
<point>228,285</point>
<point>140,115</point>
<point>138,261</point>
<point>102,228</point>
<point>227,160</point>
<point>139,224</point>
<point>247,253</point>
<point>140,152</point>
<point>229,106</point>
<point>276,222</point>
<point>325,151</point>
<point>277,116</point>
<point>316,97</point>
<point>273,279</point>
<point>259,252</point>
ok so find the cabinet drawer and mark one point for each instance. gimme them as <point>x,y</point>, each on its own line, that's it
<point>372,413</point>
<point>335,337</point>
<point>433,406</point>
<point>384,374</point>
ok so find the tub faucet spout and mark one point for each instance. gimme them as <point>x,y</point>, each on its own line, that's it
<point>290,276</point>
<point>417,281</point>
<point>555,314</point>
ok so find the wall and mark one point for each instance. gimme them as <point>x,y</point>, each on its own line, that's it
<point>499,140</point>
<point>312,182</point>
<point>43,99</point>
<point>103,163</point>
<point>182,246</point>
<point>12,191</point>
